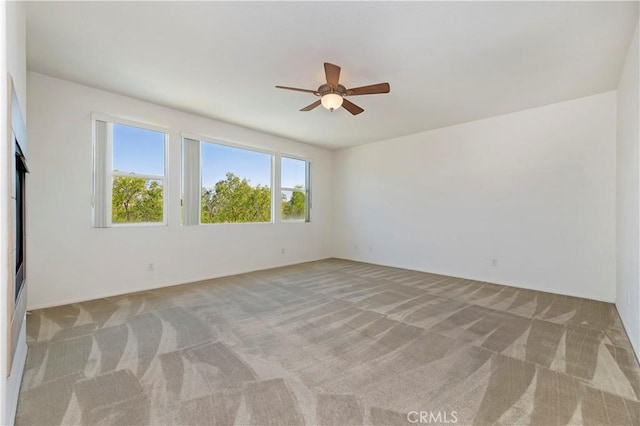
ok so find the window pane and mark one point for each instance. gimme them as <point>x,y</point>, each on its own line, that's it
<point>293,205</point>
<point>236,185</point>
<point>293,173</point>
<point>138,150</point>
<point>136,200</point>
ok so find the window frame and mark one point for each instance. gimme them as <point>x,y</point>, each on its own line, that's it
<point>306,190</point>
<point>110,173</point>
<point>221,142</point>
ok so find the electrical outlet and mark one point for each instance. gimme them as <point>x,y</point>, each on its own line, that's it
<point>151,267</point>
<point>370,248</point>
<point>494,262</point>
<point>355,247</point>
<point>282,251</point>
<point>628,299</point>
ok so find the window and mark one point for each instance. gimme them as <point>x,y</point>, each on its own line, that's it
<point>295,189</point>
<point>130,175</point>
<point>233,185</point>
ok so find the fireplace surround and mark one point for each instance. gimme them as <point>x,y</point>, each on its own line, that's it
<point>16,289</point>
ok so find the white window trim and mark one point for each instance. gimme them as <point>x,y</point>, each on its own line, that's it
<point>224,142</point>
<point>110,173</point>
<point>275,171</point>
<point>306,190</point>
<point>129,122</point>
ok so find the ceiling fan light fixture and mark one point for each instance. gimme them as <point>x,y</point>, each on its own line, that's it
<point>332,95</point>
<point>331,101</point>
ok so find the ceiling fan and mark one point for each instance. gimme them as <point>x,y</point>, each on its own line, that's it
<point>332,95</point>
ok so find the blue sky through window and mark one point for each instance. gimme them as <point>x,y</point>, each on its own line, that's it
<point>138,150</point>
<point>293,172</point>
<point>142,151</point>
<point>217,160</point>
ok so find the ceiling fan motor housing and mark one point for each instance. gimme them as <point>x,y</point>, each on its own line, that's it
<point>325,89</point>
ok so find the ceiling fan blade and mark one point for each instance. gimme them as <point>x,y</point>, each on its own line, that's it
<point>312,106</point>
<point>351,107</point>
<point>369,90</point>
<point>333,74</point>
<point>315,92</point>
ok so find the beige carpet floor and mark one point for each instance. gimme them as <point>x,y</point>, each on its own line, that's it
<point>331,342</point>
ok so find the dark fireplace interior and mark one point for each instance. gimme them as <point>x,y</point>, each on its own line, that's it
<point>21,170</point>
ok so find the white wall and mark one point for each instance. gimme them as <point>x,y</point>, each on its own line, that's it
<point>533,189</point>
<point>14,62</point>
<point>628,200</point>
<point>71,261</point>
<point>17,50</point>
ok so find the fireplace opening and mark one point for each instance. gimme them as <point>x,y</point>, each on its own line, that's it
<point>21,171</point>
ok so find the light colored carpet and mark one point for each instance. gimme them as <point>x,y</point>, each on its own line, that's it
<point>331,342</point>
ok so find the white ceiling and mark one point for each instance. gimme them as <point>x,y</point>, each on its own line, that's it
<point>447,62</point>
